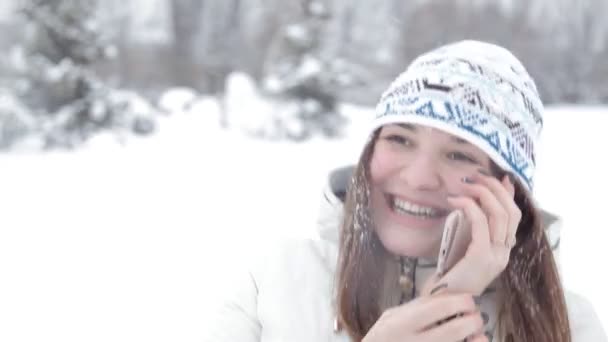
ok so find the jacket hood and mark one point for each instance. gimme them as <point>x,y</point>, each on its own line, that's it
<point>330,215</point>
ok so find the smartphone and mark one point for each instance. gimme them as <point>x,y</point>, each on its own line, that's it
<point>454,242</point>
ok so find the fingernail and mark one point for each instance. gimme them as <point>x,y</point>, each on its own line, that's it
<point>467,180</point>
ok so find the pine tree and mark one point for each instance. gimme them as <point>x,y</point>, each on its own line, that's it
<point>66,100</point>
<point>300,75</point>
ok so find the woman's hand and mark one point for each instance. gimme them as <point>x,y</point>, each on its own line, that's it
<point>494,216</point>
<point>424,320</point>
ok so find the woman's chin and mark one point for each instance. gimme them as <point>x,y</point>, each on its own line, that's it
<point>399,243</point>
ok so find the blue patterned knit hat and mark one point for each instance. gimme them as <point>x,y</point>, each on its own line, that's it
<point>477,91</point>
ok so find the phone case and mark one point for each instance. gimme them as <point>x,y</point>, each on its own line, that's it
<point>454,242</point>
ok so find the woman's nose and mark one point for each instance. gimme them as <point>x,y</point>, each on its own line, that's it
<point>421,173</point>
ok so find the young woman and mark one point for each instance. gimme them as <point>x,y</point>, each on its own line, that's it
<point>456,131</point>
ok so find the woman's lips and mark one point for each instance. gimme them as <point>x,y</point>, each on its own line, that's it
<point>408,220</point>
<point>440,210</point>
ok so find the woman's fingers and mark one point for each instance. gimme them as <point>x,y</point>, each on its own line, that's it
<point>480,234</point>
<point>497,199</point>
<point>514,210</point>
<point>478,338</point>
<point>497,215</point>
<point>438,307</point>
<point>456,329</point>
<point>421,316</point>
<point>504,191</point>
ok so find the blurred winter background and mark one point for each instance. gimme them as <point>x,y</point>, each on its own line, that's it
<point>149,147</point>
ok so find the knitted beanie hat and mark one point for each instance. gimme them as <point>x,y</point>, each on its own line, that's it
<point>477,91</point>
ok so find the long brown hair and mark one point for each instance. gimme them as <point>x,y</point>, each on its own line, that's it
<point>533,307</point>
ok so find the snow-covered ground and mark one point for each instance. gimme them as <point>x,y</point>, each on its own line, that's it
<point>131,243</point>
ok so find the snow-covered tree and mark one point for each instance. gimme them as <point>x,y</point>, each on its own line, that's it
<point>303,78</point>
<point>54,80</point>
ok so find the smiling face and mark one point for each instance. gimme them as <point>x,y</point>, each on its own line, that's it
<point>413,169</point>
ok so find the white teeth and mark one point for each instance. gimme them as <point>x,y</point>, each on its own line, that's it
<point>414,209</point>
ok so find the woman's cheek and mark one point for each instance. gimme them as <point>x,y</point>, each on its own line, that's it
<point>384,163</point>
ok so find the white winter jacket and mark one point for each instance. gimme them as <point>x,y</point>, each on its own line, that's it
<point>287,295</point>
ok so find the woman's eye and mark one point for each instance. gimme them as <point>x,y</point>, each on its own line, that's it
<point>459,156</point>
<point>399,139</point>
